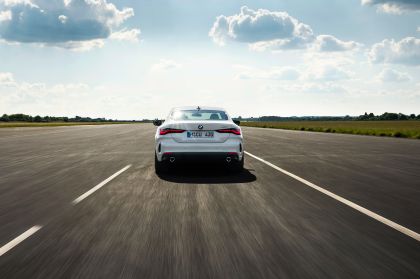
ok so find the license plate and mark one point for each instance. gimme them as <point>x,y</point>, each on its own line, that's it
<point>200,134</point>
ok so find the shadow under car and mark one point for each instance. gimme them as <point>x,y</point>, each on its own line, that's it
<point>195,173</point>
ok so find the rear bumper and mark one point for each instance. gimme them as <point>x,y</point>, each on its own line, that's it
<point>199,151</point>
<point>201,156</point>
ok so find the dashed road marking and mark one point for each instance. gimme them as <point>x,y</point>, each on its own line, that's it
<point>7,247</point>
<point>100,185</point>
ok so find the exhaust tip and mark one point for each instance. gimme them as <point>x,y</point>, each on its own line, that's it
<point>172,159</point>
<point>228,159</point>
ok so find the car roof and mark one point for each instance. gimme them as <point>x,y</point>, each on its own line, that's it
<point>195,107</point>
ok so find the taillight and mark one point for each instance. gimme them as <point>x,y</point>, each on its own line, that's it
<point>229,131</point>
<point>166,131</point>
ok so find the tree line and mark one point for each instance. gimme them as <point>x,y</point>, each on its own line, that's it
<point>364,117</point>
<point>28,118</point>
<point>388,116</point>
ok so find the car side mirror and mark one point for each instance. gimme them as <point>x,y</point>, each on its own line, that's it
<point>237,122</point>
<point>157,122</point>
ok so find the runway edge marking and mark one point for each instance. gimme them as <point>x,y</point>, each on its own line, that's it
<point>10,245</point>
<point>100,185</point>
<point>357,207</point>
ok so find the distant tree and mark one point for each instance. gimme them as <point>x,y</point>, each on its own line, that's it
<point>5,118</point>
<point>37,118</point>
<point>389,116</point>
<point>363,117</point>
<point>20,117</point>
<point>412,116</point>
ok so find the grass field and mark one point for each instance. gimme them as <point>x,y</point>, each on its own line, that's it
<point>54,124</point>
<point>403,129</point>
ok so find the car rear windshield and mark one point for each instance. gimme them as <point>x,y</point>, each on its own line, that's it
<point>201,115</point>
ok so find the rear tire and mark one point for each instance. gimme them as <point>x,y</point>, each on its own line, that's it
<point>160,167</point>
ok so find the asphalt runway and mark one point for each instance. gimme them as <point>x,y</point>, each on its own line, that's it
<point>200,221</point>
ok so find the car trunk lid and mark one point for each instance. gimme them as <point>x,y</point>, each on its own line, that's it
<point>204,131</point>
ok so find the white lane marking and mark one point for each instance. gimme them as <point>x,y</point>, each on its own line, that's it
<point>357,207</point>
<point>100,185</point>
<point>9,246</point>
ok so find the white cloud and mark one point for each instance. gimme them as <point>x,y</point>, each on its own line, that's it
<point>276,73</point>
<point>9,3</point>
<point>390,9</point>
<point>328,43</point>
<point>343,58</point>
<point>318,72</point>
<point>265,28</point>
<point>62,19</point>
<point>390,75</point>
<point>394,6</point>
<point>74,98</point>
<point>40,98</point>
<point>281,44</point>
<point>6,78</point>
<point>272,30</point>
<point>165,65</point>
<point>327,72</point>
<point>5,15</point>
<point>70,87</point>
<point>326,88</point>
<point>286,73</point>
<point>61,23</point>
<point>328,66</point>
<point>406,51</point>
<point>309,88</point>
<point>131,35</point>
<point>78,46</point>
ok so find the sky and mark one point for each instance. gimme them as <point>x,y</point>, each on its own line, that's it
<point>126,59</point>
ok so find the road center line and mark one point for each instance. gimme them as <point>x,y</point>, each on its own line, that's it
<point>100,185</point>
<point>4,249</point>
<point>357,207</point>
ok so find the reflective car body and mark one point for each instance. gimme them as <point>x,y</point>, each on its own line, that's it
<point>199,134</point>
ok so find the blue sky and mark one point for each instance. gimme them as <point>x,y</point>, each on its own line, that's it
<point>137,59</point>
